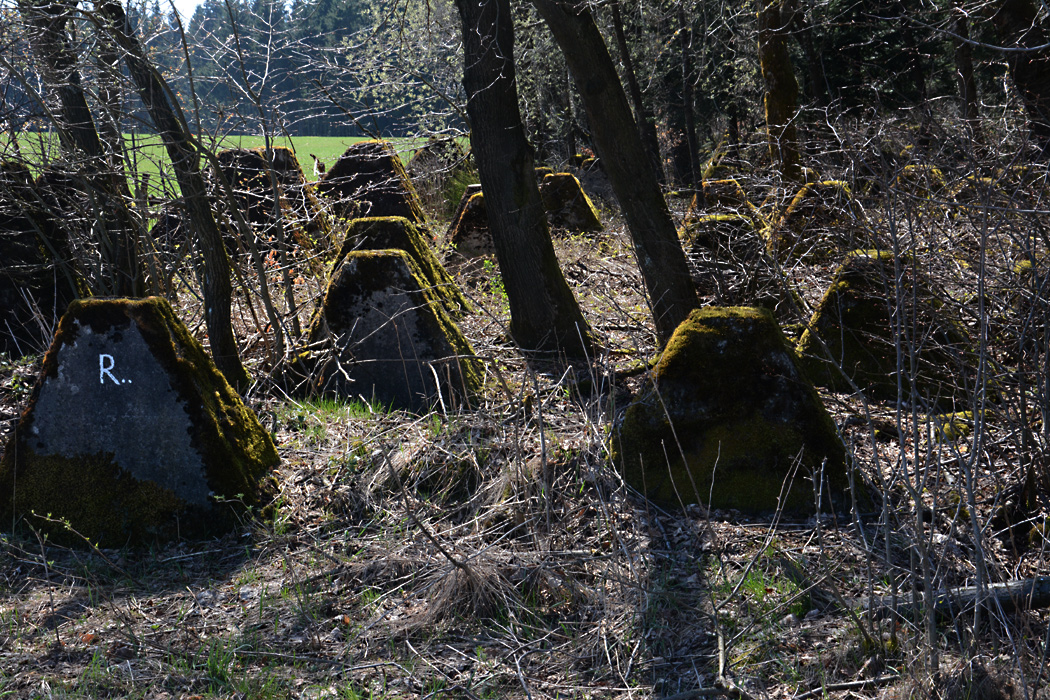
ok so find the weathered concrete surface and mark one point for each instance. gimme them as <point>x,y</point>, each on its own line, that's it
<point>132,434</point>
<point>854,333</point>
<point>469,233</point>
<point>726,419</point>
<point>391,337</point>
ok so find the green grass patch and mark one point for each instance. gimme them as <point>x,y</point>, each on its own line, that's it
<point>146,154</point>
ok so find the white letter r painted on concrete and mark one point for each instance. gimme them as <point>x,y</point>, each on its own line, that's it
<point>104,369</point>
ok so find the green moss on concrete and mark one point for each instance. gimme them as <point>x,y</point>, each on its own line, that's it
<point>93,493</point>
<point>469,233</point>
<point>726,415</point>
<point>395,232</point>
<point>921,180</point>
<point>952,427</point>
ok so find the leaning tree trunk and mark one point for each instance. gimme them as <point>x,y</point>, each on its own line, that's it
<point>659,252</point>
<point>47,22</point>
<point>781,88</point>
<point>1018,27</point>
<point>544,313</point>
<point>171,125</point>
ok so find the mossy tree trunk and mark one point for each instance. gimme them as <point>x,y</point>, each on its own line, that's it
<point>103,178</point>
<point>185,160</point>
<point>544,313</point>
<point>642,113</point>
<point>1018,27</point>
<point>780,88</point>
<point>659,252</point>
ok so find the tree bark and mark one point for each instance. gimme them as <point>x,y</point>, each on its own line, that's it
<point>185,161</point>
<point>1017,27</point>
<point>964,76</point>
<point>685,45</point>
<point>781,89</point>
<point>80,140</point>
<point>544,314</point>
<point>659,252</point>
<point>642,114</point>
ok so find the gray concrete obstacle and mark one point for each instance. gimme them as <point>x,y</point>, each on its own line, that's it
<point>132,435</point>
<point>369,180</point>
<point>38,278</point>
<point>729,419</point>
<point>391,340</point>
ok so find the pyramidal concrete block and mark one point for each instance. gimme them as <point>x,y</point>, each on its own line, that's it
<point>393,341</point>
<point>132,435</point>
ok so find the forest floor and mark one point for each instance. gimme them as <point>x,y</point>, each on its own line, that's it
<point>494,552</point>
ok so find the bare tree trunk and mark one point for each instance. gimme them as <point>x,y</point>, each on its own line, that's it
<point>185,161</point>
<point>964,76</point>
<point>544,313</point>
<point>47,22</point>
<point>781,88</point>
<point>659,252</point>
<point>1017,25</point>
<point>642,115</point>
<point>817,82</point>
<point>685,45</point>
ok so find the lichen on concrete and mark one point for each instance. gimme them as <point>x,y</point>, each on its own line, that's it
<point>727,417</point>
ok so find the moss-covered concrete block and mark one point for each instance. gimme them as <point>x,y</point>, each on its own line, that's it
<point>920,180</point>
<point>369,180</point>
<point>392,341</point>
<point>469,233</point>
<point>716,232</point>
<point>38,278</point>
<point>822,220</point>
<point>727,418</point>
<point>568,206</point>
<point>270,190</point>
<point>132,435</point>
<point>436,169</point>
<point>395,232</point>
<point>860,331</point>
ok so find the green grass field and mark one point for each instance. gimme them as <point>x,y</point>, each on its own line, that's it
<point>147,155</point>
